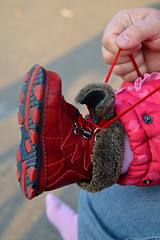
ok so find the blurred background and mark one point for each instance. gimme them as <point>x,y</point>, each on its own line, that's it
<point>63,36</point>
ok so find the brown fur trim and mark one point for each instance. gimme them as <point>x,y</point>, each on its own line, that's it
<point>105,109</point>
<point>107,158</point>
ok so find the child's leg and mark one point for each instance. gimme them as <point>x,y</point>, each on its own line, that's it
<point>62,217</point>
<point>120,212</point>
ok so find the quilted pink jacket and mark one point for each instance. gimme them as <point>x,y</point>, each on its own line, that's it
<point>142,125</point>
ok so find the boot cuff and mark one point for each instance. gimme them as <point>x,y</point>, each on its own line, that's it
<point>107,158</point>
<point>103,101</point>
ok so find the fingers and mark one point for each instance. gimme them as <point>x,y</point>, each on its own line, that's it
<point>109,57</point>
<point>130,27</point>
<point>132,76</point>
<point>129,30</point>
<point>139,32</point>
<point>120,22</point>
<point>123,57</point>
<point>124,66</point>
<point>128,67</point>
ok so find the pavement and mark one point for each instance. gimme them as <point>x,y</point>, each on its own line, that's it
<point>63,36</point>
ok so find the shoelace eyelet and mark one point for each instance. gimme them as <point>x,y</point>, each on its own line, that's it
<point>86,133</point>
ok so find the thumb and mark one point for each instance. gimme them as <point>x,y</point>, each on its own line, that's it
<point>137,33</point>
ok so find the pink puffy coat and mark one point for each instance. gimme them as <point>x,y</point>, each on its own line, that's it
<point>142,125</point>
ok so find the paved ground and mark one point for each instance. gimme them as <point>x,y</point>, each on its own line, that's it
<point>64,36</point>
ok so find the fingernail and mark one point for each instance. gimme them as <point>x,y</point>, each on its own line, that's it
<point>123,40</point>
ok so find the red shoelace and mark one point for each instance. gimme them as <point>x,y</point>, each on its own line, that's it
<point>96,127</point>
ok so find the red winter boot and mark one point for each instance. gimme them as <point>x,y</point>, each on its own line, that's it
<point>57,142</point>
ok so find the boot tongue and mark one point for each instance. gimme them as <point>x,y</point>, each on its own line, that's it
<point>93,99</point>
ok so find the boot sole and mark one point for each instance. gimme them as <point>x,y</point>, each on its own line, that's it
<point>30,165</point>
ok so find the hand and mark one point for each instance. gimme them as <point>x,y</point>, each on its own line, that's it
<point>137,32</point>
